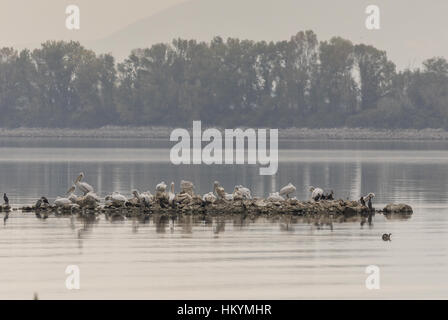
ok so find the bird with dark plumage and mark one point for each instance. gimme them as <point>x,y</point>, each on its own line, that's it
<point>5,197</point>
<point>386,236</point>
<point>362,201</point>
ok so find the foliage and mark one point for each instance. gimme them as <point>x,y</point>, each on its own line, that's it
<point>301,82</point>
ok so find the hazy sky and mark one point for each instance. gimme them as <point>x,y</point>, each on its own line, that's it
<point>411,30</point>
<point>31,21</point>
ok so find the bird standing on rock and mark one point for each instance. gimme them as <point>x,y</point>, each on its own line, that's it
<point>368,198</point>
<point>287,190</point>
<point>316,193</point>
<point>84,187</point>
<point>5,197</point>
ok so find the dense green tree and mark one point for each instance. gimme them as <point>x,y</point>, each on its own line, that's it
<point>298,82</point>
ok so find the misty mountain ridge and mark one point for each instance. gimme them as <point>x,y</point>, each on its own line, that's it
<point>407,41</point>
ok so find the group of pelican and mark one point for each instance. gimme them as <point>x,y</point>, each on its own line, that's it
<point>167,197</point>
<point>71,199</point>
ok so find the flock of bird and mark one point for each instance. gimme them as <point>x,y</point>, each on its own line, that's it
<point>168,197</point>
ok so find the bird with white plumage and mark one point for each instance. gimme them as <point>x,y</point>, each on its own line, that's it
<point>287,190</point>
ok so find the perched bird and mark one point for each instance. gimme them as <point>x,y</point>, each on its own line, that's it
<point>274,197</point>
<point>329,196</point>
<point>209,197</point>
<point>62,202</point>
<point>362,201</point>
<point>42,203</point>
<point>147,196</point>
<point>5,197</point>
<point>316,193</point>
<point>368,198</point>
<point>220,192</point>
<point>171,195</point>
<point>287,190</point>
<point>116,199</point>
<point>84,187</point>
<point>187,187</point>
<point>244,191</point>
<point>237,194</point>
<point>161,187</point>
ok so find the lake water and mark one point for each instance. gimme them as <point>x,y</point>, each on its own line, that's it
<point>225,257</point>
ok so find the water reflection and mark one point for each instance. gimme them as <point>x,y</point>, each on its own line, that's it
<point>84,224</point>
<point>235,256</point>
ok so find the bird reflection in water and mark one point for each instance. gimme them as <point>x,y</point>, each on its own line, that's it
<point>216,223</point>
<point>368,220</point>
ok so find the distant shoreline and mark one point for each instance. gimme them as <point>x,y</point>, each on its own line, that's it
<point>116,132</point>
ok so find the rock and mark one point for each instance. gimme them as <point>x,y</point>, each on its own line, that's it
<point>398,208</point>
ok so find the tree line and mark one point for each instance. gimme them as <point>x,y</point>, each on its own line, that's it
<point>302,82</point>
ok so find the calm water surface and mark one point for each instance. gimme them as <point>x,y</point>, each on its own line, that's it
<point>229,256</point>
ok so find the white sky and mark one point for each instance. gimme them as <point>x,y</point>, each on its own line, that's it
<point>31,21</point>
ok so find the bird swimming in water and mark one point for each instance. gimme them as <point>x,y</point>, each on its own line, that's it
<point>316,193</point>
<point>287,190</point>
<point>386,236</point>
<point>84,187</point>
<point>6,199</point>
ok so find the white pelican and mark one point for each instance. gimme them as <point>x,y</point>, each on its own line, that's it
<point>187,187</point>
<point>209,197</point>
<point>92,196</point>
<point>237,194</point>
<point>221,192</point>
<point>91,199</point>
<point>171,195</point>
<point>274,197</point>
<point>62,202</point>
<point>161,187</point>
<point>71,195</point>
<point>316,193</point>
<point>245,192</point>
<point>228,196</point>
<point>287,190</point>
<point>147,198</point>
<point>116,199</point>
<point>142,198</point>
<point>73,198</point>
<point>84,187</point>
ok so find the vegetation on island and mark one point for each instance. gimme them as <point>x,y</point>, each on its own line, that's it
<point>302,82</point>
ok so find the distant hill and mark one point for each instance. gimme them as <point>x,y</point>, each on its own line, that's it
<point>412,30</point>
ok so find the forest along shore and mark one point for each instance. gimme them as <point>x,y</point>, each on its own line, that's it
<point>288,133</point>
